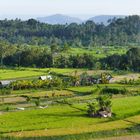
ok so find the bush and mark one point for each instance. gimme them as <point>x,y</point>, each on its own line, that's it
<point>108,90</point>
<point>5,91</point>
<point>7,108</point>
<point>93,108</point>
<point>28,84</point>
<point>37,102</point>
<point>100,104</point>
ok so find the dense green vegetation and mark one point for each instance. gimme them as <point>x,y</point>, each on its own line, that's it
<point>42,57</point>
<point>130,61</point>
<point>71,46</point>
<point>119,32</point>
<point>94,69</point>
<point>61,112</point>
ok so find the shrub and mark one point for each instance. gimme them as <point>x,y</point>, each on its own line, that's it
<point>5,91</point>
<point>37,102</point>
<point>93,108</point>
<point>7,108</point>
<point>100,104</point>
<point>108,90</point>
<point>28,84</point>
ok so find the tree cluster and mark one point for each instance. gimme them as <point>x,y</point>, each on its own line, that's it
<point>42,57</point>
<point>119,32</point>
<point>100,107</point>
<point>128,61</point>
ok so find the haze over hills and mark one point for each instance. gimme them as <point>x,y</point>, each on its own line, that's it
<point>59,19</point>
<point>63,19</point>
<point>104,18</point>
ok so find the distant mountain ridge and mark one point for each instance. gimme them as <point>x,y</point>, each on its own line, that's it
<point>59,19</point>
<point>104,18</point>
<point>64,19</point>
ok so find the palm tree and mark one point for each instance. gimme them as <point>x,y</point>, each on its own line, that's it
<point>105,103</point>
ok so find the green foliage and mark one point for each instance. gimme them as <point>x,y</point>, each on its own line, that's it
<point>6,50</point>
<point>37,102</point>
<point>111,90</point>
<point>64,117</point>
<point>28,98</point>
<point>101,103</point>
<point>28,84</point>
<point>104,78</point>
<point>128,61</point>
<point>42,57</point>
<point>105,103</point>
<point>7,108</point>
<point>98,66</point>
<point>93,108</point>
<point>5,91</point>
<point>118,32</point>
<point>130,133</point>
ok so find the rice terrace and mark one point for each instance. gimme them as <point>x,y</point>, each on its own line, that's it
<point>69,78</point>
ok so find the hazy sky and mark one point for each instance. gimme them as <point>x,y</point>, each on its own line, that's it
<point>81,8</point>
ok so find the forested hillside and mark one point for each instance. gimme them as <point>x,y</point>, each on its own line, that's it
<point>119,32</point>
<point>33,44</point>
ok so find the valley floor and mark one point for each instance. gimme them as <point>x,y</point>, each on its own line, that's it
<point>52,120</point>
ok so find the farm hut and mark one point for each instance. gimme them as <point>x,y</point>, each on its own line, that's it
<point>5,83</point>
<point>105,114</point>
<point>49,77</point>
<point>109,77</point>
<point>45,77</point>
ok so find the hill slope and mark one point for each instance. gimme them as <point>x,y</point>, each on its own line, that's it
<point>104,18</point>
<point>59,19</point>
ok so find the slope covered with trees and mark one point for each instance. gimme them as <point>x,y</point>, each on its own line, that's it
<point>119,32</point>
<point>27,56</point>
<point>16,38</point>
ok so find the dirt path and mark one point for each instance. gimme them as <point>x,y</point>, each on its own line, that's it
<point>135,76</point>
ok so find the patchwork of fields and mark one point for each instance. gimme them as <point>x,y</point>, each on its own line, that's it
<point>53,120</point>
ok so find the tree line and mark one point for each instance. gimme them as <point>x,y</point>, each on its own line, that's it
<point>42,57</point>
<point>118,32</point>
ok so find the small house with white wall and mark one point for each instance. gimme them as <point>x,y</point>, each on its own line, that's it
<point>5,83</point>
<point>49,77</point>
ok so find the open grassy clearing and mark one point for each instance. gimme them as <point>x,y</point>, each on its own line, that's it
<point>99,52</point>
<point>20,73</point>
<point>31,72</point>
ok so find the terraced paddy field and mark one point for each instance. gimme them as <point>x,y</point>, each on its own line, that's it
<point>64,121</point>
<point>29,73</point>
<point>21,118</point>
